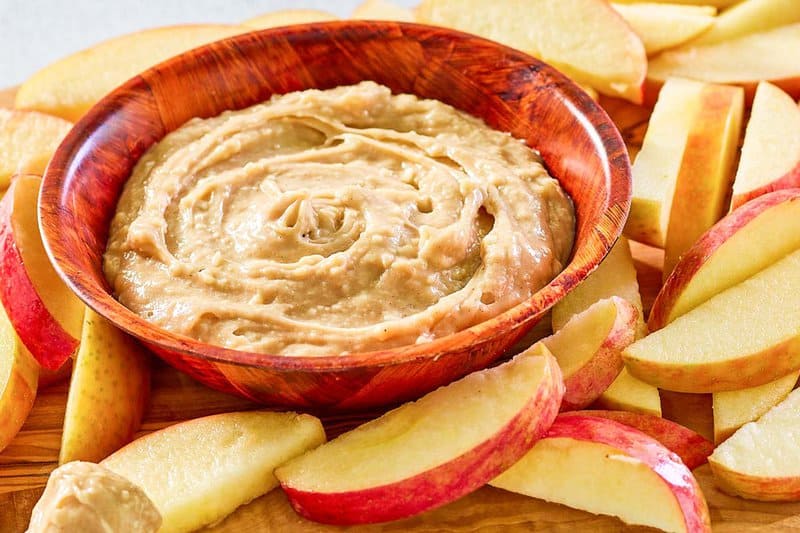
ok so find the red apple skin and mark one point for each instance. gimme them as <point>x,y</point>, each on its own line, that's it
<point>592,379</point>
<point>705,247</point>
<point>44,337</point>
<point>691,447</point>
<point>636,444</point>
<point>446,482</point>
<point>790,180</point>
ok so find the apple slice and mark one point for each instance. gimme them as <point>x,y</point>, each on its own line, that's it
<point>628,393</point>
<point>604,467</point>
<point>715,3</point>
<point>750,16</point>
<point>45,313</point>
<point>771,151</point>
<point>706,171</point>
<point>27,141</point>
<point>761,461</point>
<point>745,61</point>
<point>663,26</point>
<point>286,17</point>
<point>588,349</point>
<point>200,471</point>
<point>658,164</point>
<point>18,377</point>
<point>426,453</point>
<point>733,409</point>
<point>107,395</point>
<point>691,447</point>
<point>739,246</point>
<point>70,86</point>
<point>745,336</point>
<point>382,10</point>
<point>597,48</point>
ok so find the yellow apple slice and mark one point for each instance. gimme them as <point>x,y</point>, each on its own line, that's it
<point>733,409</point>
<point>628,393</point>
<point>588,349</point>
<point>761,461</point>
<point>27,141</point>
<point>107,394</point>
<point>771,151</point>
<point>663,26</point>
<point>604,467</point>
<point>19,373</point>
<point>714,3</point>
<point>70,86</point>
<point>286,17</point>
<point>596,48</point>
<point>750,16</point>
<point>200,471</point>
<point>658,164</point>
<point>745,336</point>
<point>706,171</point>
<point>745,61</point>
<point>426,453</point>
<point>382,10</point>
<point>739,246</point>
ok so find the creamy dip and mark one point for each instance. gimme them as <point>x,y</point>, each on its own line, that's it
<point>336,221</point>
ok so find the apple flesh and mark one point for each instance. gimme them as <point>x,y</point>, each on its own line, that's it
<point>761,461</point>
<point>604,467</point>
<point>198,472</point>
<point>432,451</point>
<point>286,17</point>
<point>662,26</point>
<point>745,336</point>
<point>715,3</point>
<point>382,10</point>
<point>750,16</point>
<point>27,141</point>
<point>598,48</point>
<point>628,393</point>
<point>19,373</point>
<point>45,313</point>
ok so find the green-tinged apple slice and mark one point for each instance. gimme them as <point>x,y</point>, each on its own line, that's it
<point>588,349</point>
<point>382,10</point>
<point>750,16</point>
<point>286,17</point>
<point>19,373</point>
<point>761,461</point>
<point>771,150</point>
<point>739,246</point>
<point>628,393</point>
<point>45,313</point>
<point>432,451</point>
<point>663,26</point>
<point>585,39</point>
<point>733,409</point>
<point>745,336</point>
<point>604,467</point>
<point>27,141</point>
<point>107,394</point>
<point>200,471</point>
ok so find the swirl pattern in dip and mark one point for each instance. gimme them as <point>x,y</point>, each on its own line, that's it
<point>335,221</point>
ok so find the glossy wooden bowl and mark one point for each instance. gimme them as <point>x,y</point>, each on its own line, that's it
<point>511,91</point>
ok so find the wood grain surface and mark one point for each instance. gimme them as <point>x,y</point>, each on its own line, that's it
<point>26,463</point>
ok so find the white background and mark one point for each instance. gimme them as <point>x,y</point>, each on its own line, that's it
<point>36,32</point>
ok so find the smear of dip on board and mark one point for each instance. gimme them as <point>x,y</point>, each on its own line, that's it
<point>337,221</point>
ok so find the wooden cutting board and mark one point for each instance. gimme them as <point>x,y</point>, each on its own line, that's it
<point>26,463</point>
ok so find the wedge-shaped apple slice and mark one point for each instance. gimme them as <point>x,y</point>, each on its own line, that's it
<point>628,393</point>
<point>739,246</point>
<point>45,313</point>
<point>745,336</point>
<point>733,409</point>
<point>750,16</point>
<point>761,461</point>
<point>286,17</point>
<point>19,373</point>
<point>663,26</point>
<point>745,61</point>
<point>70,86</point>
<point>706,171</point>
<point>107,394</point>
<point>27,141</point>
<point>691,447</point>
<point>200,471</point>
<point>596,48</point>
<point>382,10</point>
<point>771,151</point>
<point>584,460</point>
<point>588,349</point>
<point>429,452</point>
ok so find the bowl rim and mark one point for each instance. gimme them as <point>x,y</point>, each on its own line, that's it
<point>155,337</point>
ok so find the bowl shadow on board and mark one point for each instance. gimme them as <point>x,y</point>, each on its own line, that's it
<point>508,89</point>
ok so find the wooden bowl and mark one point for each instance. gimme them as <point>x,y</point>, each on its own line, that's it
<point>510,90</point>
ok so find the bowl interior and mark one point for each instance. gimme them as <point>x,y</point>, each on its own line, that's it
<point>507,89</point>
